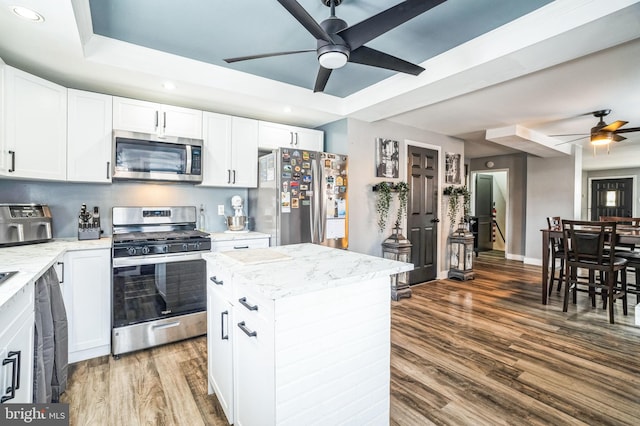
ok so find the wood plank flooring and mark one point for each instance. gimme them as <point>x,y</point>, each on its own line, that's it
<point>480,352</point>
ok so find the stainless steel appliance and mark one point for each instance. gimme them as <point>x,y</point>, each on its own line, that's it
<point>24,224</point>
<point>141,156</point>
<point>159,277</point>
<point>301,198</point>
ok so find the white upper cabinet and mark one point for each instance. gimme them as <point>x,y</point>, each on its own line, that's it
<point>274,136</point>
<point>230,155</point>
<point>89,136</point>
<point>34,127</point>
<point>157,119</point>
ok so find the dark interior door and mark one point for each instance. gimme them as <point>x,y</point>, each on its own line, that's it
<point>611,197</point>
<point>484,211</point>
<point>422,213</point>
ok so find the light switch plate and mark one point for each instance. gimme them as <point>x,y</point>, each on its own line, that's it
<point>221,209</point>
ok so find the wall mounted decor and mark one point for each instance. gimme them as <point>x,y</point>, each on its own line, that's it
<point>452,169</point>
<point>387,158</point>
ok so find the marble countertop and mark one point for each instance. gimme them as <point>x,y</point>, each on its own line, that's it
<point>283,271</point>
<point>33,260</point>
<point>232,236</point>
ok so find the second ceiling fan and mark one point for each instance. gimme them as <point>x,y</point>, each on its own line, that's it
<point>339,43</point>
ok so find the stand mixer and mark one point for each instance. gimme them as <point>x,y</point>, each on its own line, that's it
<point>238,222</point>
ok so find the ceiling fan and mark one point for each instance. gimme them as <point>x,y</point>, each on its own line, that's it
<point>603,133</point>
<point>338,43</point>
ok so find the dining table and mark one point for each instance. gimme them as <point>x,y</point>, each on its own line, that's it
<point>629,235</point>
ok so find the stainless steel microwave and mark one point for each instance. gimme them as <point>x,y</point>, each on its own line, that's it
<point>141,156</point>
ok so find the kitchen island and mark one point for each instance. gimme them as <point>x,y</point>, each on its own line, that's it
<point>300,334</point>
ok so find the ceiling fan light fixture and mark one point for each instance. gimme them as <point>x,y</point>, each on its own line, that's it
<point>601,138</point>
<point>333,60</point>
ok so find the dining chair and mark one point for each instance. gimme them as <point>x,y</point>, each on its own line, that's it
<point>632,254</point>
<point>557,253</point>
<point>586,246</point>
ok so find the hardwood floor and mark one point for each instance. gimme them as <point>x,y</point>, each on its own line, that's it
<point>480,352</point>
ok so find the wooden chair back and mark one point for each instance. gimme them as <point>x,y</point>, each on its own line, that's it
<point>586,243</point>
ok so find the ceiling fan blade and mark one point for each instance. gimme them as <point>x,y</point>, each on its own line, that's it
<point>300,13</point>
<point>630,129</point>
<point>572,134</point>
<point>367,56</point>
<point>321,79</point>
<point>365,31</point>
<point>572,140</point>
<point>265,55</point>
<point>618,138</point>
<point>613,126</point>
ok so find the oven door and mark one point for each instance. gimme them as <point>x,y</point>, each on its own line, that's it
<point>148,288</point>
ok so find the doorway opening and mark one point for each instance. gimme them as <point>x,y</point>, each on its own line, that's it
<point>490,207</point>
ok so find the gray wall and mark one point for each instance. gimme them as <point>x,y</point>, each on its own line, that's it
<point>356,139</point>
<point>64,200</point>
<point>551,191</point>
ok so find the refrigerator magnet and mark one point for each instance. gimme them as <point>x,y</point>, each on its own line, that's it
<point>296,176</point>
<point>286,175</point>
<point>287,168</point>
<point>294,184</point>
<point>305,155</point>
<point>285,202</point>
<point>294,203</point>
<point>306,178</point>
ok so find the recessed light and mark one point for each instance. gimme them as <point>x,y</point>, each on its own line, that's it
<point>168,85</point>
<point>28,14</point>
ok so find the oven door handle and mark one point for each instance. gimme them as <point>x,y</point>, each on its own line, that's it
<point>154,259</point>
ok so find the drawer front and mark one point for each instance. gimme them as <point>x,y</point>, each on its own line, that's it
<point>240,244</point>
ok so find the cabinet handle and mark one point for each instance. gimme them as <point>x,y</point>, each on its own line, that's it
<point>13,161</point>
<point>243,302</point>
<point>296,138</point>
<point>164,120</point>
<point>216,280</point>
<point>240,247</point>
<point>223,336</point>
<point>15,376</point>
<point>248,332</point>
<point>291,135</point>
<point>228,175</point>
<point>108,169</point>
<point>62,268</point>
<point>157,118</point>
<point>234,176</point>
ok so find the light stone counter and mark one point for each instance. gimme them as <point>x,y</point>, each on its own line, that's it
<point>283,271</point>
<point>32,260</point>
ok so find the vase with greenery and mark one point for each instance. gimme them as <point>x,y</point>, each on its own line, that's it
<point>454,193</point>
<point>402,188</point>
<point>383,202</point>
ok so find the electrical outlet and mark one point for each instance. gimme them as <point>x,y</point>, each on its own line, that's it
<point>221,209</point>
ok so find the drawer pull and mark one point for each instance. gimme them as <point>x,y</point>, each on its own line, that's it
<point>240,247</point>
<point>248,332</point>
<point>223,335</point>
<point>164,326</point>
<point>215,280</point>
<point>243,302</point>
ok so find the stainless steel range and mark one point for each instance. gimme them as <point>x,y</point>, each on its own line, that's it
<point>159,277</point>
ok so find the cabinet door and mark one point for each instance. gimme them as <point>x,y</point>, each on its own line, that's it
<point>254,365</point>
<point>309,139</point>
<point>216,155</point>
<point>135,115</point>
<point>274,136</point>
<point>219,347</point>
<point>17,352</point>
<point>35,127</point>
<point>87,297</point>
<point>244,152</point>
<point>89,136</point>
<point>183,122</point>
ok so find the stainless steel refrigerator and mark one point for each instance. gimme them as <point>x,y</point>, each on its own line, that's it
<point>301,198</point>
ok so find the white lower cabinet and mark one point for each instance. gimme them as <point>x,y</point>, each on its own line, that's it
<point>315,358</point>
<point>16,347</point>
<point>87,299</point>
<point>219,343</point>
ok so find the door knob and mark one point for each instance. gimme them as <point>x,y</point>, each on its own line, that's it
<point>436,220</point>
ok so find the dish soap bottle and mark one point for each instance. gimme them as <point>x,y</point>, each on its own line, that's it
<point>202,218</point>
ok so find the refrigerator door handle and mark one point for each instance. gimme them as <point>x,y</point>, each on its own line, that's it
<point>317,201</point>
